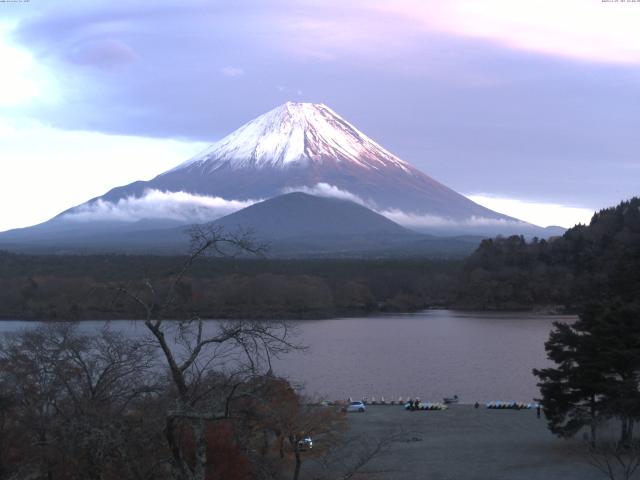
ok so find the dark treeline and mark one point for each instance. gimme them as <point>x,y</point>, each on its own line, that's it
<point>589,262</point>
<point>77,287</point>
<point>560,274</point>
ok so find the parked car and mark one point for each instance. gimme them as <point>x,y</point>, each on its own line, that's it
<point>355,407</point>
<point>305,444</point>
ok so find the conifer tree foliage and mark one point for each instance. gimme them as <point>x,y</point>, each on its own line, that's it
<point>596,262</point>
<point>571,391</point>
<point>617,331</point>
<point>597,359</point>
<point>597,372</point>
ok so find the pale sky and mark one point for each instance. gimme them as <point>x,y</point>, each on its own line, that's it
<point>528,107</point>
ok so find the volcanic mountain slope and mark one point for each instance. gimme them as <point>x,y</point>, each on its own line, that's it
<point>294,147</point>
<point>298,146</point>
<point>301,215</point>
<point>292,225</point>
<point>298,224</point>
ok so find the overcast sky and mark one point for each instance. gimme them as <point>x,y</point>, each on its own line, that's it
<point>530,107</point>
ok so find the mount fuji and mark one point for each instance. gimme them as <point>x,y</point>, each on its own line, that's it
<point>296,147</point>
<point>308,147</point>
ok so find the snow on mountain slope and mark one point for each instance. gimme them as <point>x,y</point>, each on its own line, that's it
<point>294,133</point>
<point>301,146</point>
<point>296,147</point>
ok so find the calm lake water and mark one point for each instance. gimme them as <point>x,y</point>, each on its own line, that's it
<point>432,354</point>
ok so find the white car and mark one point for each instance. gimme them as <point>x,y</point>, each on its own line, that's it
<point>305,444</point>
<point>355,407</point>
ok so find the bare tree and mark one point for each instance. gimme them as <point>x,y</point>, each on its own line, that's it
<point>199,355</point>
<point>72,403</point>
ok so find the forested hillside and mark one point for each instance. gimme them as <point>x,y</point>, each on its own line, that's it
<point>589,262</point>
<point>85,287</point>
<point>598,261</point>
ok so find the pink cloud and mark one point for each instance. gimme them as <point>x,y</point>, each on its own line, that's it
<point>586,30</point>
<point>578,29</point>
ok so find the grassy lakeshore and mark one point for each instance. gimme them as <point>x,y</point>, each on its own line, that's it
<point>468,444</point>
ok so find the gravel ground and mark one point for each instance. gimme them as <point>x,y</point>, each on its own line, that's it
<point>465,443</point>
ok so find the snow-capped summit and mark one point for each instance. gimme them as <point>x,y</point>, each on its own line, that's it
<point>304,147</point>
<point>294,133</point>
<point>296,147</point>
<point>309,147</point>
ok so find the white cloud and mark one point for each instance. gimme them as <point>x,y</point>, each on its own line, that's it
<point>22,79</point>
<point>410,220</point>
<point>230,71</point>
<point>323,189</point>
<point>182,206</point>
<point>65,168</point>
<point>538,213</point>
<point>416,220</point>
<point>156,204</point>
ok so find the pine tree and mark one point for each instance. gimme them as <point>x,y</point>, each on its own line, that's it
<point>571,392</point>
<point>617,331</point>
<point>597,370</point>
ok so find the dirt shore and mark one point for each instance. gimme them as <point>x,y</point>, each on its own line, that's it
<point>471,444</point>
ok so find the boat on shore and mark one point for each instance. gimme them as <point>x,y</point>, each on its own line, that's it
<point>500,405</point>
<point>425,406</point>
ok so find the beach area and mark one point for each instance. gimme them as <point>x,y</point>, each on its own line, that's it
<point>466,443</point>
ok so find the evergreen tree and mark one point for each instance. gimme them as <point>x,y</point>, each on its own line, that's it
<point>597,370</point>
<point>571,391</point>
<point>617,330</point>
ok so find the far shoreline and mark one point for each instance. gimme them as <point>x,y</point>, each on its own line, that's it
<point>296,317</point>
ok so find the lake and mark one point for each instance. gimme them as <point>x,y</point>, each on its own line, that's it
<point>431,354</point>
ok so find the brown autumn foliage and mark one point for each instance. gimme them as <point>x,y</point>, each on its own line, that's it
<point>225,457</point>
<point>76,407</point>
